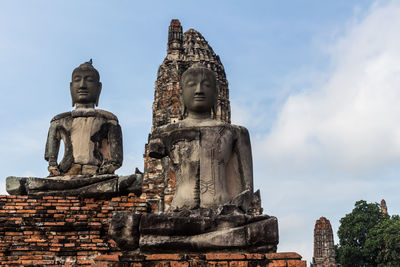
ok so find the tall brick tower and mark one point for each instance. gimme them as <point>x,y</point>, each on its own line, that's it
<point>383,207</point>
<point>183,50</point>
<point>324,251</point>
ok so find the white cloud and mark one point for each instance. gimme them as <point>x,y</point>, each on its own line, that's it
<point>352,122</point>
<point>338,140</point>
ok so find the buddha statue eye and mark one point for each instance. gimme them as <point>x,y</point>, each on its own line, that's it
<point>77,78</point>
<point>190,83</point>
<point>206,84</point>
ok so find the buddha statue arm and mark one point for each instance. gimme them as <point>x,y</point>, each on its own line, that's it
<point>156,147</point>
<point>243,148</point>
<point>116,150</point>
<point>52,148</point>
<point>115,137</point>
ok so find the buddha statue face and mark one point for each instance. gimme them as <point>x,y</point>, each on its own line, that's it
<point>85,85</point>
<point>199,90</point>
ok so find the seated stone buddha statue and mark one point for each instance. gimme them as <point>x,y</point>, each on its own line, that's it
<point>92,148</point>
<point>214,206</point>
<point>92,137</point>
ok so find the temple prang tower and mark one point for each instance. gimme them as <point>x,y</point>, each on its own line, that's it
<point>324,248</point>
<point>183,50</point>
<point>383,207</point>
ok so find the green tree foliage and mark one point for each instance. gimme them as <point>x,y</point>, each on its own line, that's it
<point>382,246</point>
<point>353,234</point>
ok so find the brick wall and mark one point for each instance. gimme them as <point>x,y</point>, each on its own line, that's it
<point>288,259</point>
<point>72,231</point>
<point>58,230</point>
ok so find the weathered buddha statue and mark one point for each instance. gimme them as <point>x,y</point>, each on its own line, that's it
<point>92,137</point>
<point>214,206</point>
<point>92,141</point>
<point>211,159</point>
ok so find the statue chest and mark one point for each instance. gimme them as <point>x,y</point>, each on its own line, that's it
<point>200,158</point>
<point>205,146</point>
<point>81,131</point>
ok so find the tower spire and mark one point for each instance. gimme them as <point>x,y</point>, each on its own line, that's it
<point>175,39</point>
<point>324,248</point>
<point>383,207</point>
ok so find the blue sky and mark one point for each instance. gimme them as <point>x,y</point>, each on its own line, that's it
<point>315,82</point>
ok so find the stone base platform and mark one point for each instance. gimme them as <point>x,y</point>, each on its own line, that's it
<point>282,259</point>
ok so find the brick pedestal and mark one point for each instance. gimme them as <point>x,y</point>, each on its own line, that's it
<point>58,230</point>
<point>72,231</point>
<point>287,259</point>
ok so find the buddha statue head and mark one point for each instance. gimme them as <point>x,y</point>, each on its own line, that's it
<point>85,85</point>
<point>199,91</point>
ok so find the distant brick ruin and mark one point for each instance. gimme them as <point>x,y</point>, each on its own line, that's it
<point>383,207</point>
<point>183,50</point>
<point>324,251</point>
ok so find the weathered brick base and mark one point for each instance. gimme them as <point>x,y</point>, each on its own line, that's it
<point>288,259</point>
<point>72,231</point>
<point>58,230</point>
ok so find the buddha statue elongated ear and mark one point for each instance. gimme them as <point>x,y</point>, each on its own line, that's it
<point>214,112</point>
<point>184,108</point>
<point>98,94</point>
<point>215,106</point>
<point>73,101</point>
<point>184,112</point>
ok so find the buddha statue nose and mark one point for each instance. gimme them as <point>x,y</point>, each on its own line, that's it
<point>199,88</point>
<point>82,83</point>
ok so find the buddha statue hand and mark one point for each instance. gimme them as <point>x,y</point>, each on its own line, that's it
<point>107,168</point>
<point>54,171</point>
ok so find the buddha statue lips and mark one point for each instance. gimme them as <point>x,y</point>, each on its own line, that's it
<point>199,98</point>
<point>83,92</point>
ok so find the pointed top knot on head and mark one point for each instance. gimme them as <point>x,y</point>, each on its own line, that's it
<point>87,66</point>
